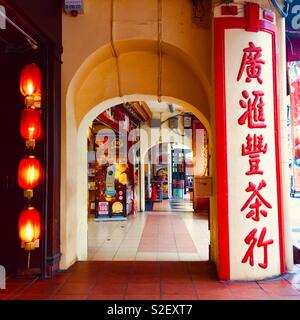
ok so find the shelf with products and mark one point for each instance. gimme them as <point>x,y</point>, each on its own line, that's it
<point>111,194</point>
<point>91,170</point>
<point>178,173</point>
<point>112,179</point>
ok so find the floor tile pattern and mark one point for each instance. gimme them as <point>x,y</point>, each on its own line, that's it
<point>153,280</point>
<point>151,236</point>
<point>166,233</point>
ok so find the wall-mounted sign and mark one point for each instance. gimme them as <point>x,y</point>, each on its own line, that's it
<point>173,123</point>
<point>74,5</point>
<point>187,121</point>
<point>249,187</point>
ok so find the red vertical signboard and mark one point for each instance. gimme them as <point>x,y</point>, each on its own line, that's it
<point>248,170</point>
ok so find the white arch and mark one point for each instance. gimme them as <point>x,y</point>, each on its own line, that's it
<point>92,90</point>
<point>142,171</point>
<point>82,192</point>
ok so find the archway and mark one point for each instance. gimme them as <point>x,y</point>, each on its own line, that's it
<point>104,81</point>
<point>182,155</point>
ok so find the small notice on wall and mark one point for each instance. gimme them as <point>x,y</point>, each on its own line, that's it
<point>74,5</point>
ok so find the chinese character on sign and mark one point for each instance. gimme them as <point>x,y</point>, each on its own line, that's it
<point>254,166</point>
<point>253,147</point>
<point>254,114</point>
<point>252,62</point>
<point>255,211</point>
<point>252,241</point>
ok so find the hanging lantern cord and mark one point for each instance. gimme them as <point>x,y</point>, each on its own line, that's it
<point>30,150</point>
<point>28,260</point>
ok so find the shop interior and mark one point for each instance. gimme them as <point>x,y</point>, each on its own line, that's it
<point>169,177</point>
<point>140,178</point>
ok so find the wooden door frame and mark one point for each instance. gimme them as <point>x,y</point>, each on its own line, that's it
<point>51,71</point>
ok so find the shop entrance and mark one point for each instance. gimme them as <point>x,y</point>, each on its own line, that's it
<point>122,173</point>
<point>169,178</point>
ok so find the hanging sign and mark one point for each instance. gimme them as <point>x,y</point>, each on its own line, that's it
<point>249,203</point>
<point>187,121</point>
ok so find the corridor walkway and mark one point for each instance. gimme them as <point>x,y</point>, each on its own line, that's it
<point>151,236</point>
<point>143,280</point>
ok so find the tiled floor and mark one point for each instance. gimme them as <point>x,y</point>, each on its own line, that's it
<point>174,205</point>
<point>145,280</point>
<point>152,236</point>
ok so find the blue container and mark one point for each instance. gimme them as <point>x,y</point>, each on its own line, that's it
<point>178,193</point>
<point>178,189</point>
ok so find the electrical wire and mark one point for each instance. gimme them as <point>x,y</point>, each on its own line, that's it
<point>159,49</point>
<point>30,40</point>
<point>285,11</point>
<point>290,44</point>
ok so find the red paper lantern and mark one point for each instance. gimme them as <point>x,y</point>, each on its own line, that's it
<point>30,126</point>
<point>119,114</point>
<point>29,173</point>
<point>30,80</point>
<point>29,225</point>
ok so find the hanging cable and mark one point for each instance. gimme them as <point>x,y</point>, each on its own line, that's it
<point>159,48</point>
<point>112,43</point>
<point>285,11</point>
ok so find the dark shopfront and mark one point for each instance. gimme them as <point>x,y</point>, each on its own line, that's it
<point>32,35</point>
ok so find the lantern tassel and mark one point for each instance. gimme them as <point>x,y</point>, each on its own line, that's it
<point>28,260</point>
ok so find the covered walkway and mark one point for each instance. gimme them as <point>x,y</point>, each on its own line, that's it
<point>143,280</point>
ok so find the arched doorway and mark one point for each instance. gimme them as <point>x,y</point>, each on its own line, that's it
<point>169,176</point>
<point>171,171</point>
<point>97,86</point>
<point>117,231</point>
